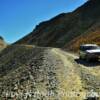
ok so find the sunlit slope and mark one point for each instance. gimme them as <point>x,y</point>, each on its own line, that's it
<point>92,35</point>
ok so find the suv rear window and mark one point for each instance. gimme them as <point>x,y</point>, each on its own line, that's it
<point>84,48</point>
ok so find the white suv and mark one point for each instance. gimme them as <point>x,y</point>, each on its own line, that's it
<point>89,52</point>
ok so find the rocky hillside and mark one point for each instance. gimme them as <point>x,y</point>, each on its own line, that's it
<point>3,44</point>
<point>65,28</point>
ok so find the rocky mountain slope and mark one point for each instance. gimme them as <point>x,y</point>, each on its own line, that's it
<point>68,28</point>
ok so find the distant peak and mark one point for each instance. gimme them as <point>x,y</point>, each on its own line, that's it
<point>1,38</point>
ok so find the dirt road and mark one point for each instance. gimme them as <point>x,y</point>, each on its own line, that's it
<point>77,76</point>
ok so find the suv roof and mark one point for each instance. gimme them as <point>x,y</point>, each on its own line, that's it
<point>94,51</point>
<point>89,45</point>
<point>85,47</point>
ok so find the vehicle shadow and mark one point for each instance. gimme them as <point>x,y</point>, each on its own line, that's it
<point>87,63</point>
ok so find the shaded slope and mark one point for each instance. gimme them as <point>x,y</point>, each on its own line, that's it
<point>65,27</point>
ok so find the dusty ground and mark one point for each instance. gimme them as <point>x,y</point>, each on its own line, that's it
<point>46,74</point>
<point>77,76</point>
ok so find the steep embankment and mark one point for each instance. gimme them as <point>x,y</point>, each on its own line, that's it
<point>44,73</point>
<point>67,27</point>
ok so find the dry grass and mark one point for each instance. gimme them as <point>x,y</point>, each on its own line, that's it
<point>87,38</point>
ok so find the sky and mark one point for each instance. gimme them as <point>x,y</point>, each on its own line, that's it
<point>19,17</point>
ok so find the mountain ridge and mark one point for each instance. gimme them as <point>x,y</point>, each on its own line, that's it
<point>64,28</point>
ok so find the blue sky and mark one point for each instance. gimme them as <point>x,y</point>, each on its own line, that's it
<point>19,17</point>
